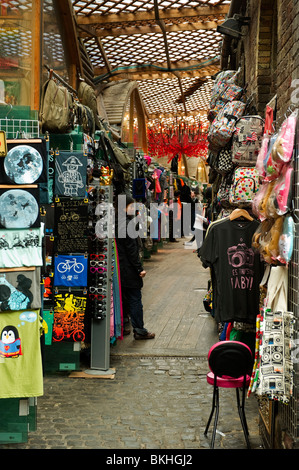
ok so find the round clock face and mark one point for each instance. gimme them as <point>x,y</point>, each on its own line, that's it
<point>18,209</point>
<point>23,164</point>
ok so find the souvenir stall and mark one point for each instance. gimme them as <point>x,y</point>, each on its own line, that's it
<point>23,172</point>
<point>59,263</point>
<point>83,291</point>
<point>252,173</point>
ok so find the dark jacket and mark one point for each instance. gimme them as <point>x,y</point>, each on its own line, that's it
<point>129,258</point>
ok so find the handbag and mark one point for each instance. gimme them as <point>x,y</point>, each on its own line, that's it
<point>56,108</point>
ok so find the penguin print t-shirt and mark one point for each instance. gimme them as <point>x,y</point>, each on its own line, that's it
<point>20,355</point>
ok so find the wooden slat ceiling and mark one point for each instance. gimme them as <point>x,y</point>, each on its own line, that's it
<point>170,47</point>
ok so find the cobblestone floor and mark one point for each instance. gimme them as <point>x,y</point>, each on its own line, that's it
<point>152,403</point>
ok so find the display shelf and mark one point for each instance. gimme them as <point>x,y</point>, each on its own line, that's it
<point>18,418</point>
<point>61,356</point>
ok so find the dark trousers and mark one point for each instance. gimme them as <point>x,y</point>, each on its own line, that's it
<point>132,305</point>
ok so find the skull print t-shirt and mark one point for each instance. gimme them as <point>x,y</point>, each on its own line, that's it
<point>236,269</point>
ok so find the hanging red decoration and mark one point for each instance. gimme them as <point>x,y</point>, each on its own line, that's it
<point>177,139</point>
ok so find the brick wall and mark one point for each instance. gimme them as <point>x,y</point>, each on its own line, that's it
<point>260,52</point>
<point>271,50</point>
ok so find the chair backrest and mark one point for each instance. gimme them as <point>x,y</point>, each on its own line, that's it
<point>231,358</point>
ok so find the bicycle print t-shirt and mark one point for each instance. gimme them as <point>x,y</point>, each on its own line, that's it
<point>70,270</point>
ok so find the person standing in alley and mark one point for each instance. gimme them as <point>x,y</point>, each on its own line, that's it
<point>131,270</point>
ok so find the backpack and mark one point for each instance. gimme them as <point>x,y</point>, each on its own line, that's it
<point>223,79</point>
<point>56,109</point>
<point>222,128</point>
<point>224,189</point>
<point>245,185</point>
<point>87,97</point>
<point>247,139</point>
<point>223,163</point>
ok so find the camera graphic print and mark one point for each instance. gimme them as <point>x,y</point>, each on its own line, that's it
<point>70,270</point>
<point>241,261</point>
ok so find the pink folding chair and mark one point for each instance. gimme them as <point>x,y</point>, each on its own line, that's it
<point>230,364</point>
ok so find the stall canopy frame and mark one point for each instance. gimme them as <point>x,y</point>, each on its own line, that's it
<point>170,47</point>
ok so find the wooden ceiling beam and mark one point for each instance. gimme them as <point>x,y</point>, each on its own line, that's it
<point>143,73</point>
<point>168,14</point>
<point>155,76</point>
<point>130,31</point>
<point>161,24</point>
<point>67,19</point>
<point>169,115</point>
<point>90,33</point>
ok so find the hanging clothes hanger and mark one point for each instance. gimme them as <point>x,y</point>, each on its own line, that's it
<point>237,213</point>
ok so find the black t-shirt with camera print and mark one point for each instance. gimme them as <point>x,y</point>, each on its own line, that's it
<point>236,269</point>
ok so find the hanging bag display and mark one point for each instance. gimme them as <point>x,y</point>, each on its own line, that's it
<point>56,109</point>
<point>224,189</point>
<point>286,240</point>
<point>87,97</point>
<point>223,126</point>
<point>283,190</point>
<point>245,185</point>
<point>224,162</point>
<point>283,146</point>
<point>223,79</point>
<point>247,139</point>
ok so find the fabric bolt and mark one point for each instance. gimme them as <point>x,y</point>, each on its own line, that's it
<point>70,174</point>
<point>21,247</point>
<point>70,270</point>
<point>20,290</point>
<point>236,270</point>
<point>20,354</point>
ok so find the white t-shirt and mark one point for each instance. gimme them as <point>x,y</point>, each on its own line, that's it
<point>21,247</point>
